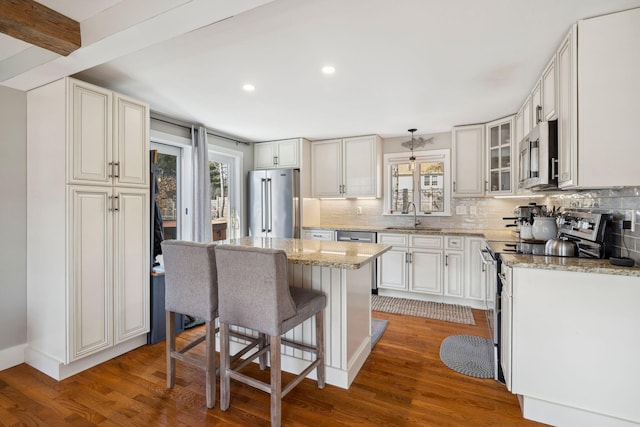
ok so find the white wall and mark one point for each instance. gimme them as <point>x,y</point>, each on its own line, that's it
<point>13,220</point>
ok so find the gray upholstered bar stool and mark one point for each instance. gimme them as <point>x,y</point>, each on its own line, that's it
<point>191,288</point>
<point>254,293</point>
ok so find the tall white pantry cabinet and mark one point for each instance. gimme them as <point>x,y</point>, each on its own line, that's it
<point>88,226</point>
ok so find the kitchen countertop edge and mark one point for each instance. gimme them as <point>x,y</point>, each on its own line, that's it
<point>581,265</point>
<point>347,255</point>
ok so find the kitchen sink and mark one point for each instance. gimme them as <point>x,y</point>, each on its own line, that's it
<point>409,228</point>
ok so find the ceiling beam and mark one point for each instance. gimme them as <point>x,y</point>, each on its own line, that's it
<point>34,23</point>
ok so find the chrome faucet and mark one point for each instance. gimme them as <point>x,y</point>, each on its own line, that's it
<point>416,221</point>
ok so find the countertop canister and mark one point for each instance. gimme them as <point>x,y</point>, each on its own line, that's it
<point>544,228</point>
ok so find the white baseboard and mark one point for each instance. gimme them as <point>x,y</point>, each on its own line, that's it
<point>13,356</point>
<point>59,371</point>
<point>556,414</point>
<point>481,305</point>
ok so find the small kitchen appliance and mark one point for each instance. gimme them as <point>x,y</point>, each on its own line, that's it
<point>591,232</point>
<point>538,157</point>
<point>523,219</point>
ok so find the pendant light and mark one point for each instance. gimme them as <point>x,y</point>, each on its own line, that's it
<point>412,159</point>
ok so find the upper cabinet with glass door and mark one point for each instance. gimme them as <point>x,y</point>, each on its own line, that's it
<point>499,156</point>
<point>423,184</point>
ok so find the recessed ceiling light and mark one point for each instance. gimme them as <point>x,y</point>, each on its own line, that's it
<point>328,69</point>
<point>249,87</point>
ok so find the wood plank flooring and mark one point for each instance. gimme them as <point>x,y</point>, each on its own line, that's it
<point>403,383</point>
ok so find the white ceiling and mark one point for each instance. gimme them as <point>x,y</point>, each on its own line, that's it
<point>428,64</point>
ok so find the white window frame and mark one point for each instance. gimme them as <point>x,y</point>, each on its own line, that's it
<point>184,229</point>
<point>234,159</point>
<point>390,159</point>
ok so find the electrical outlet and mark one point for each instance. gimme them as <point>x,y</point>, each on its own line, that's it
<point>629,221</point>
<point>473,210</point>
<point>461,210</point>
<point>359,210</point>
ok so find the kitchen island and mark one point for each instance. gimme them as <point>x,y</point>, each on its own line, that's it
<point>342,271</point>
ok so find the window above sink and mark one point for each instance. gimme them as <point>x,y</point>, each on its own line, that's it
<point>426,185</point>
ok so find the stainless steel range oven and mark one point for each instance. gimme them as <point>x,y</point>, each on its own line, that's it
<point>491,270</point>
<point>590,231</point>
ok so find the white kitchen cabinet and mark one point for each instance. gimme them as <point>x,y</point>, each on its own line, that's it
<point>549,87</point>
<point>468,171</point>
<point>432,268</point>
<point>105,145</point>
<point>130,265</point>
<point>347,167</point>
<point>130,146</point>
<point>607,96</point>
<point>536,104</point>
<point>567,63</point>
<point>425,264</point>
<point>326,168</point>
<point>454,266</point>
<point>91,268</point>
<point>596,101</point>
<point>499,156</point>
<point>518,128</point>
<point>422,266</point>
<point>88,241</point>
<point>474,277</point>
<point>566,324</point>
<point>318,234</point>
<point>288,154</point>
<point>527,119</point>
<point>392,265</point>
<point>425,271</point>
<point>109,234</point>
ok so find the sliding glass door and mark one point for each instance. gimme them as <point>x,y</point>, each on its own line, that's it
<point>224,195</point>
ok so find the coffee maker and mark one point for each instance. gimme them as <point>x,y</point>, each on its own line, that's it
<point>525,214</point>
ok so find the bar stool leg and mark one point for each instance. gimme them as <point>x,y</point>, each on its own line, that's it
<point>263,357</point>
<point>171,347</point>
<point>225,391</point>
<point>320,370</point>
<point>210,342</point>
<point>276,380</point>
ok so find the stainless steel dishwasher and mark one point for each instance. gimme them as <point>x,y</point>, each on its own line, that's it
<point>362,237</point>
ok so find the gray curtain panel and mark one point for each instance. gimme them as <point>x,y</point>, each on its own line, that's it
<point>201,187</point>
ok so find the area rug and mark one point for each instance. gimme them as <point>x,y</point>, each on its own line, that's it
<point>468,355</point>
<point>429,309</point>
<point>378,327</point>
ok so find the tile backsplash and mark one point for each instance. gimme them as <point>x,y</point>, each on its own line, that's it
<point>623,203</point>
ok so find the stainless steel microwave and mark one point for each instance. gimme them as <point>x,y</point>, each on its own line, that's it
<point>538,157</point>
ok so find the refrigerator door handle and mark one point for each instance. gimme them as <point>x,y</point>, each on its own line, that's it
<point>263,189</point>
<point>270,206</point>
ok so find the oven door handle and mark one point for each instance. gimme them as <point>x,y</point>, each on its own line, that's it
<point>486,257</point>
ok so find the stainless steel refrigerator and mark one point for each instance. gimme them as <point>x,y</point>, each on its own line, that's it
<point>274,203</point>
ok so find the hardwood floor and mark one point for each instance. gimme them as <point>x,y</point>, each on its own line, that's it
<point>403,383</point>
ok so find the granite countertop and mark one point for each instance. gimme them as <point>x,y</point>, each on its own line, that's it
<point>323,253</point>
<point>584,265</point>
<point>587,265</point>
